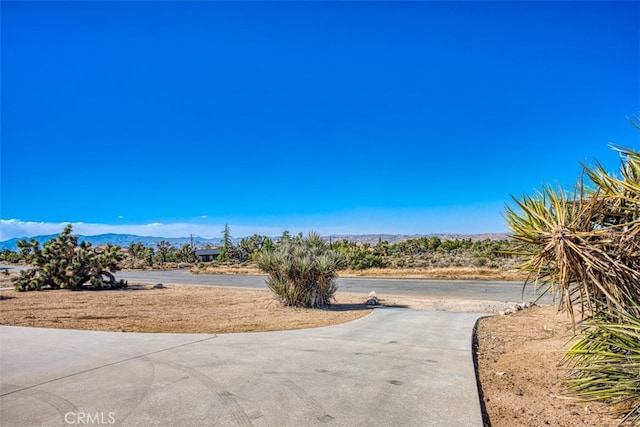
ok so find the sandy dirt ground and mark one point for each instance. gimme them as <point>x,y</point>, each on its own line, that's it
<point>518,358</point>
<point>517,355</point>
<point>175,308</point>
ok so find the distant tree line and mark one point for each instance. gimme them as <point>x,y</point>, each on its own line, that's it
<point>425,252</point>
<point>63,262</point>
<point>421,252</point>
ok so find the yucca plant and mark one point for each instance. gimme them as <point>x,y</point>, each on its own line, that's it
<point>604,364</point>
<point>302,271</point>
<point>584,247</point>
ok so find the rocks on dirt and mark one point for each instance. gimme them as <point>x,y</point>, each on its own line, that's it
<point>514,308</point>
<point>158,286</point>
<point>373,299</point>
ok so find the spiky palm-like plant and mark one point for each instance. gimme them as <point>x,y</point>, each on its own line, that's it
<point>604,364</point>
<point>585,246</point>
<point>302,271</point>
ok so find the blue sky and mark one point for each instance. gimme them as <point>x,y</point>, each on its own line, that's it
<point>172,118</point>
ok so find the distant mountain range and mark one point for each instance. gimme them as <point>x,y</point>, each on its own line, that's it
<point>125,240</point>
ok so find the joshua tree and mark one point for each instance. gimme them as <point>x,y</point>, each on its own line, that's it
<point>61,263</point>
<point>187,253</point>
<point>163,250</point>
<point>136,251</point>
<point>252,247</point>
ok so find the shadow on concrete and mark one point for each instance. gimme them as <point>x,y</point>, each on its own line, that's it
<point>360,307</point>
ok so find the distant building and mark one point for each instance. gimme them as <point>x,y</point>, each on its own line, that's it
<point>207,255</point>
<point>101,248</point>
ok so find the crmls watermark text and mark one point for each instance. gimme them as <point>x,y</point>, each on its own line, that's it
<point>89,418</point>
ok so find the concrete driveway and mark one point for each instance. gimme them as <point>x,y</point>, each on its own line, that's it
<point>395,367</point>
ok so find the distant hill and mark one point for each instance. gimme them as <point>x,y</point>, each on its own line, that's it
<point>125,240</point>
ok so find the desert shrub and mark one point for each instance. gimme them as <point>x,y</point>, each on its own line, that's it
<point>62,264</point>
<point>495,265</point>
<point>362,260</point>
<point>480,262</point>
<point>302,271</point>
<point>450,245</point>
<point>10,256</point>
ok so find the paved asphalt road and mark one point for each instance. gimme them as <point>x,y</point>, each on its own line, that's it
<point>468,290</point>
<point>500,291</point>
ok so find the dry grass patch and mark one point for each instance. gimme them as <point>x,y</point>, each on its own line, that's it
<point>176,308</point>
<point>449,273</point>
<point>459,273</point>
<point>225,269</point>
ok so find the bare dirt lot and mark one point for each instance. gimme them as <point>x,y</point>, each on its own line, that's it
<point>518,369</point>
<point>517,355</point>
<point>179,309</point>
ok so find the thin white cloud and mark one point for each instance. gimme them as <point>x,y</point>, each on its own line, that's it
<point>10,228</point>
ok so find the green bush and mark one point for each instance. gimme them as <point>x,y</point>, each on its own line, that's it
<point>480,262</point>
<point>302,271</point>
<point>62,264</point>
<point>361,260</point>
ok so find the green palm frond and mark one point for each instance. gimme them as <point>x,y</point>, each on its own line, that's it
<point>604,364</point>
